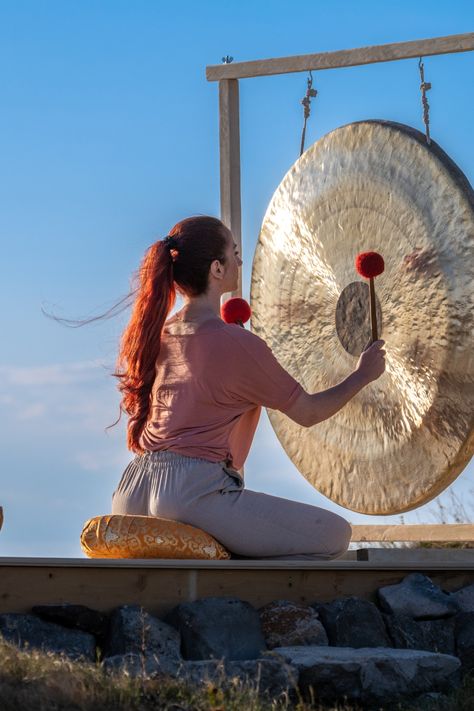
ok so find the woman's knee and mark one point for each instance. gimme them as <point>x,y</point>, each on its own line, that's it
<point>340,536</point>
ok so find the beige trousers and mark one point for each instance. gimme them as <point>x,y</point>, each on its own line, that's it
<point>212,496</point>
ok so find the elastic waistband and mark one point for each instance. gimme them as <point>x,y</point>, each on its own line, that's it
<point>167,454</point>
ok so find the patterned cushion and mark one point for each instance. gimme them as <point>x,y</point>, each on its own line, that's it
<point>127,536</point>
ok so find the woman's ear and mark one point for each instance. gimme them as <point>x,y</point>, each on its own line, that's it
<point>217,269</point>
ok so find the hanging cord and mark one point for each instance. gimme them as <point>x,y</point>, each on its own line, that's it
<point>425,86</point>
<point>310,94</point>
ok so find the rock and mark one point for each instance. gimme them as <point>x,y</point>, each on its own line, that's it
<point>464,634</point>
<point>130,663</point>
<point>430,635</point>
<point>272,677</point>
<point>134,631</point>
<point>30,631</point>
<point>197,673</point>
<point>286,624</point>
<point>203,671</point>
<point>464,598</point>
<point>351,622</point>
<point>218,627</point>
<point>371,675</point>
<point>417,597</point>
<point>77,617</point>
<point>137,665</point>
<point>431,701</point>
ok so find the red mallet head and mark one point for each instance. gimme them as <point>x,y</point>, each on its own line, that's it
<point>235,310</point>
<point>369,264</point>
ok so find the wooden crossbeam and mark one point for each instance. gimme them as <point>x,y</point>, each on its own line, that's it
<point>423,533</point>
<point>342,58</point>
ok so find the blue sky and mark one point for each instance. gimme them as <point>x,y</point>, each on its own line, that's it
<point>108,136</point>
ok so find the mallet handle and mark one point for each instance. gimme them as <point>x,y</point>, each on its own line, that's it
<point>373,312</point>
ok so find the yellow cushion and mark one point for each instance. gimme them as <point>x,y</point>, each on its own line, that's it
<point>127,536</point>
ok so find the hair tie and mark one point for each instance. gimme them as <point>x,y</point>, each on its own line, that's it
<point>170,242</point>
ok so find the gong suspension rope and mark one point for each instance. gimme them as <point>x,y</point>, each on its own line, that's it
<point>310,94</point>
<point>425,86</point>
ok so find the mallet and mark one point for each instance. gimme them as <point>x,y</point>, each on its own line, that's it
<point>235,310</point>
<point>369,265</point>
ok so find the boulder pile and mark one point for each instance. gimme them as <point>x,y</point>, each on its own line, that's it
<point>416,640</point>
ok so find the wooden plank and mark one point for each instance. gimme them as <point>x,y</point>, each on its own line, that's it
<point>241,566</point>
<point>164,563</point>
<point>229,139</point>
<point>342,58</point>
<point>159,589</point>
<point>440,533</point>
<point>419,556</point>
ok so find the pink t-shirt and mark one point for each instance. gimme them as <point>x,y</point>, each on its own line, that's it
<point>208,392</point>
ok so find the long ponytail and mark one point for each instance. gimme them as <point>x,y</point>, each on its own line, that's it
<point>141,341</point>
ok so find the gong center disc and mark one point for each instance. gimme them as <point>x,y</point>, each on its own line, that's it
<point>353,324</point>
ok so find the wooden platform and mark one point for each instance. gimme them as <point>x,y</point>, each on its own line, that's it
<point>159,585</point>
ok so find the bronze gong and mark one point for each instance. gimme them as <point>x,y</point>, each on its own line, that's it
<point>373,185</point>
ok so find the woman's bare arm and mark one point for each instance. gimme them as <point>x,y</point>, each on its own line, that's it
<point>309,409</point>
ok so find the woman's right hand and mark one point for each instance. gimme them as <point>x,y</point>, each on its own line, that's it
<point>371,363</point>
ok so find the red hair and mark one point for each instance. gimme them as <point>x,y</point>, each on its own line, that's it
<point>185,268</point>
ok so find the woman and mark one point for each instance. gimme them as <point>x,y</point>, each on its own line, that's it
<point>193,387</point>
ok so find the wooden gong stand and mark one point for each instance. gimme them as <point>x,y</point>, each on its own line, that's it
<point>228,76</point>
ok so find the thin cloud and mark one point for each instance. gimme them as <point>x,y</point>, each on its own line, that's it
<point>60,398</point>
<point>100,460</point>
<point>57,374</point>
<point>33,411</point>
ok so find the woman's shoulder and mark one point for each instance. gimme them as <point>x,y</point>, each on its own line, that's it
<point>230,333</point>
<point>176,327</point>
<point>245,337</point>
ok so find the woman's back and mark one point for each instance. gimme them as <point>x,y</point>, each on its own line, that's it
<point>211,379</point>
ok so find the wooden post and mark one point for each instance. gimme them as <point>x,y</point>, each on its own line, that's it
<point>229,140</point>
<point>229,144</point>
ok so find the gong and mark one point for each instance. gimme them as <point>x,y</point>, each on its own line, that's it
<point>373,185</point>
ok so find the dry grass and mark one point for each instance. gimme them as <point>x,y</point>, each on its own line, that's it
<point>37,681</point>
<point>31,680</point>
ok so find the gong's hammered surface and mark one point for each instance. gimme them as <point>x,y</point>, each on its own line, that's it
<point>374,185</point>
